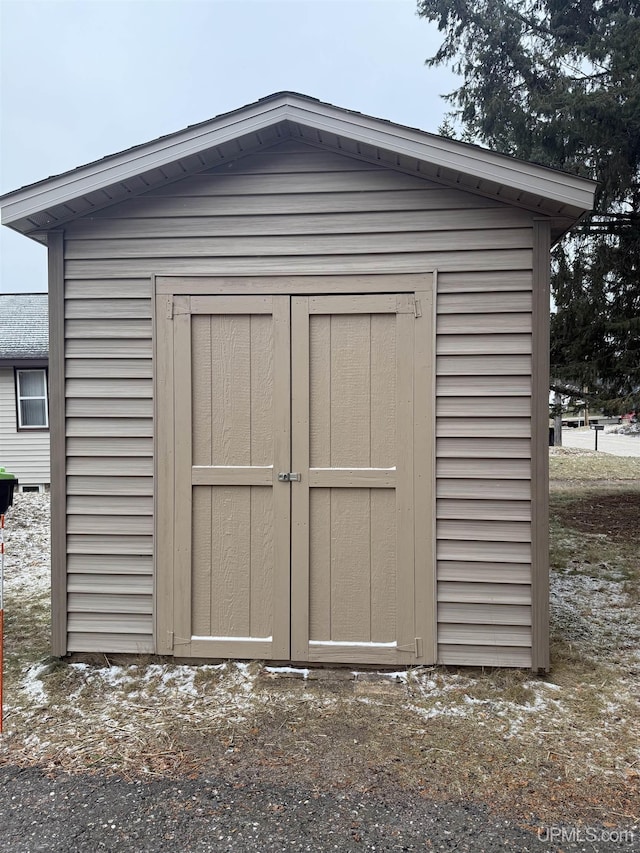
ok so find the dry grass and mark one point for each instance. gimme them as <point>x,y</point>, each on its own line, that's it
<point>569,466</point>
<point>544,749</point>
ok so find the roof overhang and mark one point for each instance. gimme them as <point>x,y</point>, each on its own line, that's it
<point>22,361</point>
<point>35,209</point>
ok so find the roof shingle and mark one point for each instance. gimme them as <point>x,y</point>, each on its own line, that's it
<point>24,326</point>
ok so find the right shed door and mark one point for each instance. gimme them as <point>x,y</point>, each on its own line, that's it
<point>361,532</point>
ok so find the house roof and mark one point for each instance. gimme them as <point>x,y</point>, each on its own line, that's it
<point>24,326</point>
<point>37,208</point>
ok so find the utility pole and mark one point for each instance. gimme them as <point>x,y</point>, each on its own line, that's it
<point>557,419</point>
<point>586,406</point>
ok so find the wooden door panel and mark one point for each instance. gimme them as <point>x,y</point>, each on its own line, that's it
<point>379,549</point>
<point>350,384</point>
<point>232,425</point>
<point>232,591</point>
<point>353,517</point>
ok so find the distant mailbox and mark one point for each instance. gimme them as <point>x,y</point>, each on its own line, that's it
<point>597,428</point>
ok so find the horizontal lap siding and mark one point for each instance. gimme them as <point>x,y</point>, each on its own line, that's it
<point>483,468</point>
<point>295,211</point>
<point>109,448</point>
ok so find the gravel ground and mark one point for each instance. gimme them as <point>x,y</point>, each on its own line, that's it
<point>96,813</point>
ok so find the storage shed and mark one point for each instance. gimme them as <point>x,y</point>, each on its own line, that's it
<point>299,392</point>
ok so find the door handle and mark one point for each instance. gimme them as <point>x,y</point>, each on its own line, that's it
<point>289,477</point>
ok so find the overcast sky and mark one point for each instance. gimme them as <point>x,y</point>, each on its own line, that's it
<point>84,78</point>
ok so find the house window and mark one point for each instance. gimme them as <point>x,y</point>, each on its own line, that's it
<point>31,393</point>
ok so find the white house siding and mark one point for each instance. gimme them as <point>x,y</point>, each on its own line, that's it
<point>296,209</point>
<point>24,453</point>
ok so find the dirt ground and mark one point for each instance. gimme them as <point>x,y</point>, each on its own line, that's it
<point>615,515</point>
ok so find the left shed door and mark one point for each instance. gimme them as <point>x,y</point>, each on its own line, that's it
<point>223,433</point>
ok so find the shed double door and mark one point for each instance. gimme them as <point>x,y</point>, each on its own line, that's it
<point>290,423</point>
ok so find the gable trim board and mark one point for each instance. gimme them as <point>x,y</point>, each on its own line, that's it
<point>267,122</point>
<point>301,218</point>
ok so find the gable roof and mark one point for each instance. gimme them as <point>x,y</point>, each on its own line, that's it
<point>24,326</point>
<point>47,204</point>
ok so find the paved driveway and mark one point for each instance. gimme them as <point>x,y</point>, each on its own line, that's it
<point>58,813</point>
<point>618,445</point>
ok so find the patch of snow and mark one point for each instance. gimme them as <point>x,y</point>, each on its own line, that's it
<point>549,685</point>
<point>288,670</point>
<point>626,429</point>
<point>35,742</point>
<point>402,675</point>
<point>439,710</point>
<point>33,686</point>
<point>595,613</point>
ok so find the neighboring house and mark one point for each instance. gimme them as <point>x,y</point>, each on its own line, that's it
<point>24,403</point>
<point>267,333</point>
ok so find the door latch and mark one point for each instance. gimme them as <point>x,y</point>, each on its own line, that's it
<point>289,477</point>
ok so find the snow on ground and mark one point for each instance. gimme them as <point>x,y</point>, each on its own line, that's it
<point>27,539</point>
<point>597,614</point>
<point>626,429</point>
<point>110,701</point>
<point>33,686</point>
